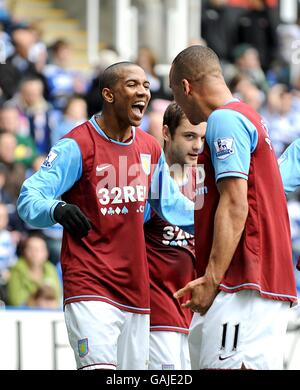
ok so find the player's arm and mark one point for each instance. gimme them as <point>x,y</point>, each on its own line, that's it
<point>167,200</point>
<point>231,173</point>
<point>230,219</point>
<point>289,166</point>
<point>38,202</point>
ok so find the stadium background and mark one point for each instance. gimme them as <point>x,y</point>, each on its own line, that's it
<point>52,53</point>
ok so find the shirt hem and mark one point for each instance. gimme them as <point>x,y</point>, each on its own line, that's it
<point>242,175</point>
<point>106,366</point>
<point>168,329</point>
<point>265,294</point>
<point>120,306</point>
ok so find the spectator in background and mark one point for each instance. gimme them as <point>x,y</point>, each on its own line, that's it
<point>11,122</point>
<point>38,53</point>
<point>282,121</point>
<point>106,57</point>
<point>154,119</point>
<point>7,251</point>
<point>32,271</point>
<point>246,60</point>
<point>146,60</point>
<point>7,49</point>
<point>75,113</point>
<point>4,195</point>
<point>37,111</point>
<point>44,298</point>
<point>14,221</point>
<point>23,40</point>
<point>17,65</point>
<point>62,82</point>
<point>256,27</point>
<point>15,172</point>
<point>243,89</point>
<point>217,27</point>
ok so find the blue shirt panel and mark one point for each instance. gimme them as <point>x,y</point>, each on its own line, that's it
<point>40,192</point>
<point>231,138</point>
<point>166,198</point>
<point>289,165</point>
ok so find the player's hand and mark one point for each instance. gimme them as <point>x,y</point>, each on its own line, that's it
<point>71,218</point>
<point>203,290</point>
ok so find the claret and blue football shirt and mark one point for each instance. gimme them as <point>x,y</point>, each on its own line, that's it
<point>110,182</point>
<point>238,145</point>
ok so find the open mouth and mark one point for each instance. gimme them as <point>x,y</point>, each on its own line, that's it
<point>138,108</point>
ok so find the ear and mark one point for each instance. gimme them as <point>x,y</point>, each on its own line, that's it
<point>107,95</point>
<point>166,133</point>
<point>186,87</point>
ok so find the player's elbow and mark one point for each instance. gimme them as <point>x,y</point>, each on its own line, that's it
<point>24,205</point>
<point>21,208</point>
<point>239,211</point>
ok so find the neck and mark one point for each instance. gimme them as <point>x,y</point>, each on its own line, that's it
<point>35,268</point>
<point>112,128</point>
<point>214,95</point>
<point>179,174</point>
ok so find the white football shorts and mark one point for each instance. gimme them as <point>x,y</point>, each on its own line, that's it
<point>105,337</point>
<point>241,329</point>
<point>169,351</point>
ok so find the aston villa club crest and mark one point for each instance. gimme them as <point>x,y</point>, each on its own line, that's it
<point>83,347</point>
<point>146,163</point>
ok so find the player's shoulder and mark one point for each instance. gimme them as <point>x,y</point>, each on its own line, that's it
<point>224,115</point>
<point>145,136</point>
<point>295,144</point>
<point>291,154</point>
<point>226,118</point>
<point>80,132</point>
<point>147,140</point>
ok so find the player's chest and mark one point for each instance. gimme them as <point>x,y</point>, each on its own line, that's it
<point>121,179</point>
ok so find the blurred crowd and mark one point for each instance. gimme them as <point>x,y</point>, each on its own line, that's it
<point>42,98</point>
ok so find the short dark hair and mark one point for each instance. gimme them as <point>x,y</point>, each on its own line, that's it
<point>173,117</point>
<point>59,44</point>
<point>110,75</point>
<point>195,62</point>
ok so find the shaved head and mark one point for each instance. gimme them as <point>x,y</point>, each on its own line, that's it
<point>194,63</point>
<point>111,74</point>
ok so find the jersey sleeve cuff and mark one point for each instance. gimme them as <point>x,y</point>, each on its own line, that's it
<point>52,210</point>
<point>221,175</point>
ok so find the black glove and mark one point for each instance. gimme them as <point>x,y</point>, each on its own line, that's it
<point>72,219</point>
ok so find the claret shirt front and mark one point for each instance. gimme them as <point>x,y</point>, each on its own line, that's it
<point>110,182</point>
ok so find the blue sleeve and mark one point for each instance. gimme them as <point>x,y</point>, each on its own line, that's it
<point>289,166</point>
<point>231,138</point>
<point>40,192</point>
<point>147,212</point>
<point>167,200</point>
